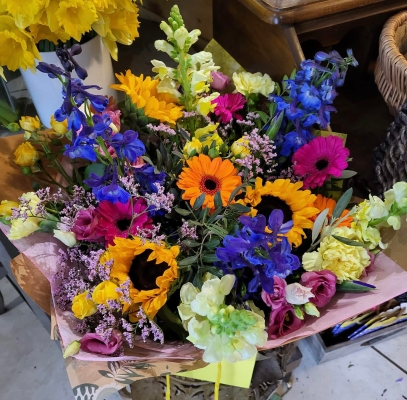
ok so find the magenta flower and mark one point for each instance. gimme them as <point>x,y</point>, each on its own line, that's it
<point>228,105</point>
<point>322,284</point>
<point>86,226</point>
<point>283,321</point>
<point>219,81</point>
<point>122,220</point>
<point>93,343</point>
<point>319,160</point>
<point>277,299</point>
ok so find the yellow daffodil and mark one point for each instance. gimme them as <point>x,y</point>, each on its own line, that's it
<point>18,49</point>
<point>24,13</point>
<point>76,17</point>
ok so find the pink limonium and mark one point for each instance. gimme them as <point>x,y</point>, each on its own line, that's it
<point>219,81</point>
<point>122,220</point>
<point>228,105</point>
<point>319,160</point>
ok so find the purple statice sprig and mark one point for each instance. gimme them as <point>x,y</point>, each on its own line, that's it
<point>160,200</point>
<point>148,327</point>
<point>188,232</point>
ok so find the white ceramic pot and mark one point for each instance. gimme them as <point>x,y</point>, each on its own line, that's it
<point>46,92</point>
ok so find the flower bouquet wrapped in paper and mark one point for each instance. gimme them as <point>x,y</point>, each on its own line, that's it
<point>186,222</point>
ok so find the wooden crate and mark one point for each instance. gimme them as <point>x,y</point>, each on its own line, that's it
<point>323,353</point>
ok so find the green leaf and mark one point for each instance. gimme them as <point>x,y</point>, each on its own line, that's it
<point>212,244</point>
<point>272,109</point>
<point>310,309</point>
<point>342,203</point>
<point>199,201</point>
<point>184,135</point>
<point>182,212</point>
<point>298,312</point>
<point>190,243</point>
<point>5,221</point>
<point>235,192</point>
<point>275,125</point>
<point>241,208</point>
<point>218,200</point>
<point>216,229</point>
<point>98,169</point>
<point>159,160</point>
<point>178,154</point>
<point>277,89</point>
<point>263,116</point>
<point>148,159</point>
<point>318,224</point>
<point>354,286</point>
<point>210,258</point>
<point>187,262</point>
<point>346,174</point>
<point>213,270</point>
<point>214,215</point>
<point>197,282</point>
<point>348,241</point>
<point>47,226</point>
<point>293,73</point>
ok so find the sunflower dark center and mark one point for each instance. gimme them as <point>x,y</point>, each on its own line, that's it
<point>321,164</point>
<point>270,203</point>
<point>143,273</point>
<point>209,185</point>
<point>123,224</point>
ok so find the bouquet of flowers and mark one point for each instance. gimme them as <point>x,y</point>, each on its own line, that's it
<point>190,212</point>
<point>25,25</point>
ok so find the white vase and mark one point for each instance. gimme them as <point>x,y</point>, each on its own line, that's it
<point>46,93</point>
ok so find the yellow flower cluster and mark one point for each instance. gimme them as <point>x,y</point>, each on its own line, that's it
<point>25,23</point>
<point>144,94</point>
<point>204,137</point>
<point>345,261</point>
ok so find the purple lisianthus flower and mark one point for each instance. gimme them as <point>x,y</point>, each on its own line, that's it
<point>219,81</point>
<point>127,145</point>
<point>94,343</point>
<point>276,299</point>
<point>322,284</point>
<point>283,321</point>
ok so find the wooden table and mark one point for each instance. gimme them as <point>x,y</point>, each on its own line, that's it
<point>268,35</point>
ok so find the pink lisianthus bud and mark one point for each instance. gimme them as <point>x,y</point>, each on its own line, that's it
<point>93,343</point>
<point>283,321</point>
<point>219,81</point>
<point>322,285</point>
<point>115,117</point>
<point>138,163</point>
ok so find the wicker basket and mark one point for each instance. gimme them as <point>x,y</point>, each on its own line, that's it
<point>391,67</point>
<point>390,158</point>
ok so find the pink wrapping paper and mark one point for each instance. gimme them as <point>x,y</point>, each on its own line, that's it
<point>389,278</point>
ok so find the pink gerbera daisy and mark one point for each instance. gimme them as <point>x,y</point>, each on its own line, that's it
<point>228,105</point>
<point>116,220</point>
<point>320,159</point>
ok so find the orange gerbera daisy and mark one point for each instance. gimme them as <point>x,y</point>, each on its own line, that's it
<point>295,204</point>
<point>144,94</point>
<point>206,176</point>
<point>323,203</point>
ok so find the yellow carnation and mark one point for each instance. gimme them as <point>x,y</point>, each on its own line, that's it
<point>20,228</point>
<point>240,148</point>
<point>346,262</point>
<point>105,291</point>
<point>59,127</point>
<point>26,155</point>
<point>18,49</point>
<point>6,207</point>
<point>82,306</point>
<point>247,83</point>
<point>30,124</point>
<point>76,17</point>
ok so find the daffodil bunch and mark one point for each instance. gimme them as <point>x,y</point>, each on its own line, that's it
<point>24,24</point>
<point>189,82</point>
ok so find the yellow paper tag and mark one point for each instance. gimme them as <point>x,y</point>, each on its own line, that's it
<point>238,374</point>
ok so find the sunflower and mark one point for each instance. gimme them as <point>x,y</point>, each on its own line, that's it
<point>151,268</point>
<point>144,94</point>
<point>295,204</point>
<point>206,176</point>
<point>322,203</point>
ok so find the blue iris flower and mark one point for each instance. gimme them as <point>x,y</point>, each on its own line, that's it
<point>127,145</point>
<point>81,149</point>
<point>264,254</point>
<point>146,178</point>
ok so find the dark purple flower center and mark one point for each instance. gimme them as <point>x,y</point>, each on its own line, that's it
<point>270,203</point>
<point>209,185</point>
<point>321,164</point>
<point>143,273</point>
<point>123,224</point>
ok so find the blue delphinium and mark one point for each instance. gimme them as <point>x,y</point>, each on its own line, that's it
<point>264,254</point>
<point>127,145</point>
<point>307,98</point>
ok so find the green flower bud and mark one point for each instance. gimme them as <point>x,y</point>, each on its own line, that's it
<point>72,348</point>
